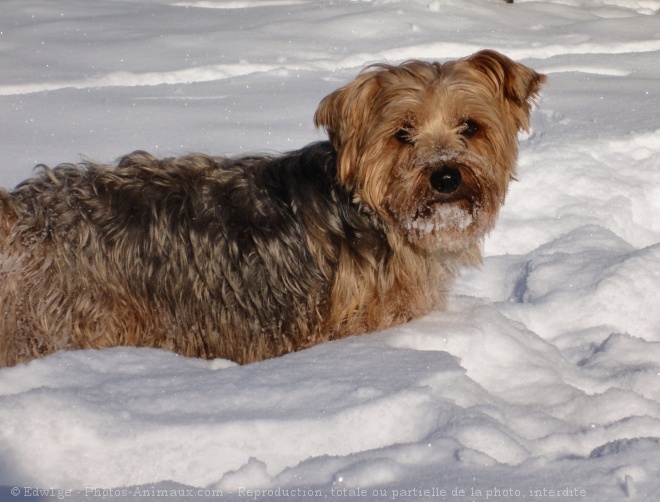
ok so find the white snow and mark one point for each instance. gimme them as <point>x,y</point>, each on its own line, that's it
<point>540,382</point>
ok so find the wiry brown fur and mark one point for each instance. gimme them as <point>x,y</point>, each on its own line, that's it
<point>252,257</point>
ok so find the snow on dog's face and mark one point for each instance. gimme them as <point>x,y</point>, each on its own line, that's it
<point>430,148</point>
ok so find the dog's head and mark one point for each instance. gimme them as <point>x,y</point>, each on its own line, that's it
<point>430,148</point>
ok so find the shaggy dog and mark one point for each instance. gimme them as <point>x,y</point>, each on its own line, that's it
<point>252,257</point>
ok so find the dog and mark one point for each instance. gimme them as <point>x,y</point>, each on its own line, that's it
<point>253,257</point>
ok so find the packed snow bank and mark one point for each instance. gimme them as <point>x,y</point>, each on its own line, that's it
<point>540,381</point>
<point>464,398</point>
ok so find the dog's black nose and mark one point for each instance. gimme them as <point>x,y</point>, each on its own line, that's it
<point>446,180</point>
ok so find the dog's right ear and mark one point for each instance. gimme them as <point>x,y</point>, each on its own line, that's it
<point>347,109</point>
<point>344,114</point>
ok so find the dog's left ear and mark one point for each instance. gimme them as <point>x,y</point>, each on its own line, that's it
<point>517,83</point>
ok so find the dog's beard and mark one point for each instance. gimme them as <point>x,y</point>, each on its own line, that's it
<point>451,221</point>
<point>451,226</point>
<point>441,218</point>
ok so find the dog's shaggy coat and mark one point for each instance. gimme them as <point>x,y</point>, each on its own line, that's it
<point>253,257</point>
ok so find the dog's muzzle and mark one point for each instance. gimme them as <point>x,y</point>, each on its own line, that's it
<point>446,180</point>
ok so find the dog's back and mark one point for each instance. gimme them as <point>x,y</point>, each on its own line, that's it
<point>137,254</point>
<point>7,215</point>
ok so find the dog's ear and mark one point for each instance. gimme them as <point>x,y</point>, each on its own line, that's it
<point>347,109</point>
<point>517,83</point>
<point>344,114</point>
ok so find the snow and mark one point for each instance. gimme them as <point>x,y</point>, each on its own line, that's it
<point>541,381</point>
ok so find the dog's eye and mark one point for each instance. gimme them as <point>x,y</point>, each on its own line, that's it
<point>469,128</point>
<point>404,136</point>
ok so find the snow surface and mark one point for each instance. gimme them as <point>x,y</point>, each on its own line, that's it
<point>540,382</point>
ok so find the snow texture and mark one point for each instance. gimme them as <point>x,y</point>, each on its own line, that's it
<point>540,382</point>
